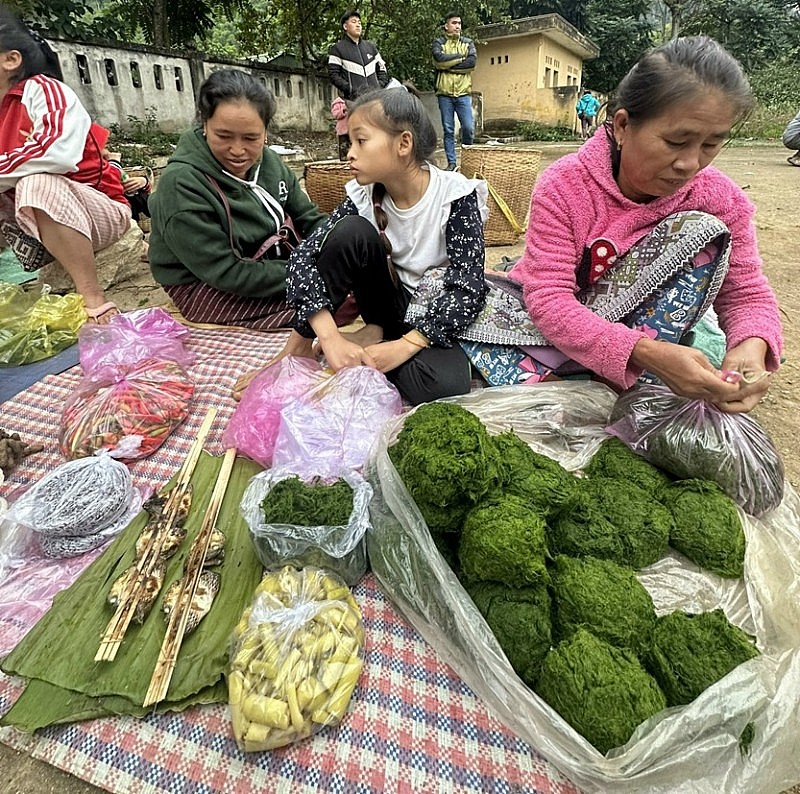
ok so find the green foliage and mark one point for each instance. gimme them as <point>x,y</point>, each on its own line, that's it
<point>534,131</point>
<point>315,504</point>
<point>543,483</point>
<point>603,597</point>
<point>519,618</point>
<point>614,459</point>
<point>613,520</point>
<point>58,17</point>
<point>707,526</point>
<point>692,652</point>
<point>141,139</point>
<point>503,540</point>
<point>601,691</point>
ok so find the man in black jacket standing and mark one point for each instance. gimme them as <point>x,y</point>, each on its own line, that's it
<point>355,65</point>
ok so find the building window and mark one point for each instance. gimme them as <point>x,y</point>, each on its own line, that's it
<point>136,75</point>
<point>158,76</point>
<point>555,79</point>
<point>506,59</point>
<point>300,90</point>
<point>289,89</point>
<point>83,69</point>
<point>178,78</point>
<point>276,87</point>
<point>547,77</point>
<point>111,71</point>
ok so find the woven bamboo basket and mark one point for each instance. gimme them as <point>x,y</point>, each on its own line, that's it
<point>510,173</point>
<point>325,181</point>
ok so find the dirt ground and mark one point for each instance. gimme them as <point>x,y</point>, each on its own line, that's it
<point>772,184</point>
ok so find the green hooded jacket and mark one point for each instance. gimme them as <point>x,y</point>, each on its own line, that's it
<point>189,240</point>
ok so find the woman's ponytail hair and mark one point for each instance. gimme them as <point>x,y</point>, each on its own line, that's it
<point>37,55</point>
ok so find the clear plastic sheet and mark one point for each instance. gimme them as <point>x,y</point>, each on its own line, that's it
<point>693,438</point>
<point>690,749</point>
<point>339,549</point>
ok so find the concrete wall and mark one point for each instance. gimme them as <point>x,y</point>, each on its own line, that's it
<point>527,78</point>
<point>116,82</point>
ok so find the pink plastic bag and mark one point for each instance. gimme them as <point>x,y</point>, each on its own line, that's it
<point>253,427</point>
<point>330,429</point>
<point>106,350</point>
<point>694,439</point>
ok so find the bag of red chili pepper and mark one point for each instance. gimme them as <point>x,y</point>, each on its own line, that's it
<point>146,403</point>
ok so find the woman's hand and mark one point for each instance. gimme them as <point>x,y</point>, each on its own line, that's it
<point>390,355</point>
<point>340,352</point>
<point>688,373</point>
<point>748,360</point>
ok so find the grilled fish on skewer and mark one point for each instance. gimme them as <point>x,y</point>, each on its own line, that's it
<point>216,549</point>
<point>149,593</point>
<point>206,590</point>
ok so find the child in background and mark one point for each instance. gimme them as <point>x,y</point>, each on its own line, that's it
<point>402,218</point>
<point>339,113</point>
<point>137,188</point>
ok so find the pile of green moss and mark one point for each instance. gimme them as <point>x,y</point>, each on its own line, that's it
<point>603,692</point>
<point>519,618</point>
<point>707,527</point>
<point>614,459</point>
<point>543,483</point>
<point>691,652</point>
<point>603,597</point>
<point>448,462</point>
<point>613,520</point>
<point>503,541</point>
<point>291,501</point>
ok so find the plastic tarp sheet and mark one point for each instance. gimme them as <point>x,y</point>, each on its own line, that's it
<point>694,748</point>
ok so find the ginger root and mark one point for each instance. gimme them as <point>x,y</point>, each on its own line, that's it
<point>13,450</point>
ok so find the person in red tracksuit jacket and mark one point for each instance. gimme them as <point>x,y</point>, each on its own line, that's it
<point>55,187</point>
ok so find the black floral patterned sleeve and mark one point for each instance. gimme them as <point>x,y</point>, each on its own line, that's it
<point>464,286</point>
<point>305,288</point>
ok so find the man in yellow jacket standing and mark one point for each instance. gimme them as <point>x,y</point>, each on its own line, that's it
<point>454,57</point>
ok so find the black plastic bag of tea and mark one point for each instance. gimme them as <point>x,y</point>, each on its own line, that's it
<point>694,439</point>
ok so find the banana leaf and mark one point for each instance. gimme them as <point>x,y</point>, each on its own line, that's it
<point>57,655</point>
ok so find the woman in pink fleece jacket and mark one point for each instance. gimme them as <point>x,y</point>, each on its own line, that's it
<point>632,238</point>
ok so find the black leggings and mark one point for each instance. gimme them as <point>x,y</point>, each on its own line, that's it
<point>353,259</point>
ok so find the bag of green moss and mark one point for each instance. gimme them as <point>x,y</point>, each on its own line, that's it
<point>314,522</point>
<point>694,439</point>
<point>673,677</point>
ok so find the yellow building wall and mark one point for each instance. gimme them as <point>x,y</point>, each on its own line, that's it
<point>517,77</point>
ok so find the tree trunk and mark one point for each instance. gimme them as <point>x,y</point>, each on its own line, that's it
<point>676,10</point>
<point>160,24</point>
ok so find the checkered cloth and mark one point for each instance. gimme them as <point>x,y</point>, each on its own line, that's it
<point>412,726</point>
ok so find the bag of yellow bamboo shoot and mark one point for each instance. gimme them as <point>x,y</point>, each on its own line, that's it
<point>296,656</point>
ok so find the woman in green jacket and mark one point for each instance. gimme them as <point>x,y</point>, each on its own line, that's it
<point>219,205</point>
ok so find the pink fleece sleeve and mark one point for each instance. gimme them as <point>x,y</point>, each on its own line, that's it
<point>553,249</point>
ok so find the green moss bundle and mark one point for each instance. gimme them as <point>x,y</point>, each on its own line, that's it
<point>613,520</point>
<point>542,482</point>
<point>615,459</point>
<point>503,541</point>
<point>448,462</point>
<point>603,692</point>
<point>707,527</point>
<point>691,652</point>
<point>519,618</point>
<point>314,504</point>
<point>603,597</point>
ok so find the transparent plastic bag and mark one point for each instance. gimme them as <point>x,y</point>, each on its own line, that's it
<point>253,428</point>
<point>73,509</point>
<point>339,549</point>
<point>108,351</point>
<point>330,428</point>
<point>34,327</point>
<point>693,438</point>
<point>133,413</point>
<point>695,748</point>
<point>296,656</point>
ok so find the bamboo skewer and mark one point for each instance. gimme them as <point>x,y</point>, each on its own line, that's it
<point>132,593</point>
<point>176,628</point>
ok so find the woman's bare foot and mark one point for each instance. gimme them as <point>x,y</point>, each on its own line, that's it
<point>296,345</point>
